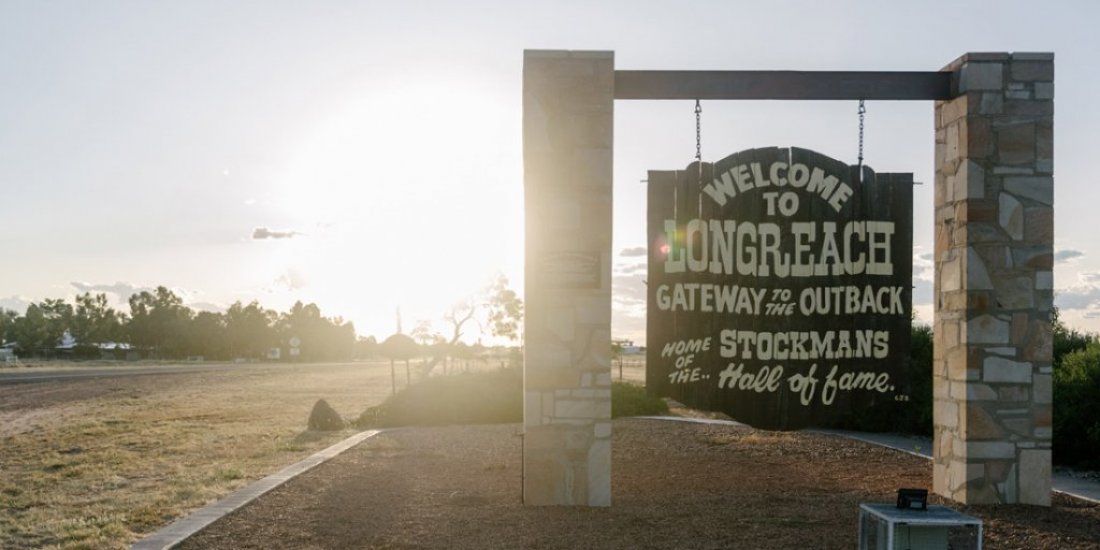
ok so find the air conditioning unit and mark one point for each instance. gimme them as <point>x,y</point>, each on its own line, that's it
<point>887,527</point>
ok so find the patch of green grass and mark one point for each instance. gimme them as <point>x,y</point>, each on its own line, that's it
<point>631,400</point>
<point>489,397</point>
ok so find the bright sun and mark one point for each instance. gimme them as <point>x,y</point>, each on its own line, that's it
<point>407,197</point>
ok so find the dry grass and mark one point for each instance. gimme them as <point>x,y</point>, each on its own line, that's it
<point>98,463</point>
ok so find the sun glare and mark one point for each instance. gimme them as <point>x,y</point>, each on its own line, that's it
<point>406,197</point>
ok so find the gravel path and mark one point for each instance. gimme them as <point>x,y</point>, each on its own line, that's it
<point>675,485</point>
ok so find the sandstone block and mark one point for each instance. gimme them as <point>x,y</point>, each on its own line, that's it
<point>992,103</point>
<point>999,369</point>
<point>1016,144</point>
<point>599,473</point>
<point>1011,216</point>
<point>985,329</point>
<point>978,424</point>
<point>1042,389</point>
<point>990,449</point>
<point>1044,90</point>
<point>981,76</point>
<point>977,275</point>
<point>1034,475</point>
<point>1030,71</point>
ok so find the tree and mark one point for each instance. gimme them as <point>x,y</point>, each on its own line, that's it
<point>159,321</point>
<point>366,347</point>
<point>321,338</point>
<point>7,325</point>
<point>42,327</point>
<point>423,333</point>
<point>1077,408</point>
<point>30,332</point>
<point>505,310</point>
<point>1067,340</point>
<point>250,329</point>
<point>207,336</point>
<point>94,322</point>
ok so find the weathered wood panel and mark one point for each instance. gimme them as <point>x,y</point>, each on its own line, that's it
<point>779,286</point>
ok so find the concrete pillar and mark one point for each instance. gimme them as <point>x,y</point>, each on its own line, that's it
<point>994,199</point>
<point>567,139</point>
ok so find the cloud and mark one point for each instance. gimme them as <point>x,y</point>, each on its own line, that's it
<point>634,252</point>
<point>1078,297</point>
<point>1066,255</point>
<point>290,280</point>
<point>922,292</point>
<point>17,304</point>
<point>207,306</point>
<point>120,289</point>
<point>629,290</point>
<point>261,233</point>
<point>627,269</point>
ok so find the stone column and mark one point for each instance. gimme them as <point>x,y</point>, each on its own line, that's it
<point>568,98</point>
<point>994,199</point>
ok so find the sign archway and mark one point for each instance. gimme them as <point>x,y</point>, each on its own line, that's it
<point>993,260</point>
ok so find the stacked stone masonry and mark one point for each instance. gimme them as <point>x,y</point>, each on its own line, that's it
<point>567,139</point>
<point>994,208</point>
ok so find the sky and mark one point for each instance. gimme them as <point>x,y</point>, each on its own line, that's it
<point>367,156</point>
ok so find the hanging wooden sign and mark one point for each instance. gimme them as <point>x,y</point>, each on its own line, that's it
<point>779,286</point>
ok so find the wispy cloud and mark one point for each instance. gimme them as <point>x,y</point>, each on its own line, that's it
<point>207,306</point>
<point>1078,297</point>
<point>121,290</point>
<point>261,233</point>
<point>626,269</point>
<point>633,252</point>
<point>1083,297</point>
<point>291,279</point>
<point>1066,255</point>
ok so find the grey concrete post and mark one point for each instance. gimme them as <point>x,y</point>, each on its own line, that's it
<point>994,197</point>
<point>567,139</point>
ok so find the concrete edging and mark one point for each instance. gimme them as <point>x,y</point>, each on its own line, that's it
<point>179,530</point>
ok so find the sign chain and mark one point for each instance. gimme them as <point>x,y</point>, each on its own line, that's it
<point>698,131</point>
<point>862,111</point>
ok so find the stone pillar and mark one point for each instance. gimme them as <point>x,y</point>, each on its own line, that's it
<point>568,98</point>
<point>994,199</point>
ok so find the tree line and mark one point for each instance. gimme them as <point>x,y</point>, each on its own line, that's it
<point>160,326</point>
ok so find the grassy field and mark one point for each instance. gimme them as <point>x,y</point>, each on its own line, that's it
<point>97,463</point>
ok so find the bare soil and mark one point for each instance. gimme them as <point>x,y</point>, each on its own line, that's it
<point>675,485</point>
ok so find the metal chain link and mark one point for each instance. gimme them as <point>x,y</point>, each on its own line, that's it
<point>862,110</point>
<point>698,131</point>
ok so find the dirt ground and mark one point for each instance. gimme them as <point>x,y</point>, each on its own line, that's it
<point>675,485</point>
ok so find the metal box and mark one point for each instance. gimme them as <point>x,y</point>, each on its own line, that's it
<point>887,527</point>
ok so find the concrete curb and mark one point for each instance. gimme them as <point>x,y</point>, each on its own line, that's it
<point>183,528</point>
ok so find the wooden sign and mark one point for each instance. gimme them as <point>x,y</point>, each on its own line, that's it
<point>779,286</point>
